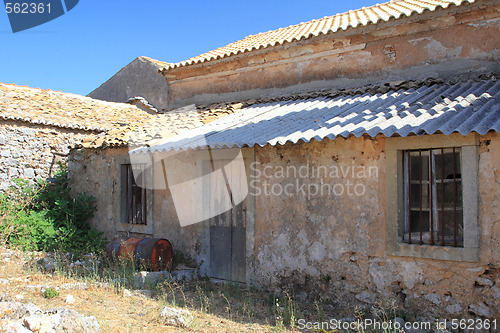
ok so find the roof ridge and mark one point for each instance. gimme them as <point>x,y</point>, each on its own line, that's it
<point>15,86</point>
<point>28,87</point>
<point>326,17</point>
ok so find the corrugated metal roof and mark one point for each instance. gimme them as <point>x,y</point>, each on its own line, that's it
<point>329,24</point>
<point>440,108</point>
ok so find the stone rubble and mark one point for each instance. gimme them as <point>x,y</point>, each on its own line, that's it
<point>176,317</point>
<point>20,317</point>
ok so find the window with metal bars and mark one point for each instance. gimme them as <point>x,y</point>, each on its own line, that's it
<point>135,203</point>
<point>433,193</point>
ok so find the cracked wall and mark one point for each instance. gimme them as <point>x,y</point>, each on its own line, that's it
<point>462,43</point>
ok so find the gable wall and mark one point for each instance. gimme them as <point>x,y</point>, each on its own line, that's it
<point>140,78</point>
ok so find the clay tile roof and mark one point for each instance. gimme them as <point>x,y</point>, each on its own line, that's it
<point>65,110</point>
<point>158,127</point>
<point>329,24</point>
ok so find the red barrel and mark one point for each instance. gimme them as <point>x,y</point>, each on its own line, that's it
<point>154,254</point>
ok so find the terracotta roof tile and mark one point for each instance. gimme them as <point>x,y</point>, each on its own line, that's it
<point>65,110</point>
<point>160,126</point>
<point>329,24</point>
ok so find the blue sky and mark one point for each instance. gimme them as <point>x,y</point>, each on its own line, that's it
<point>83,48</point>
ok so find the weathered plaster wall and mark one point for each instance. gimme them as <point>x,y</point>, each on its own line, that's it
<point>31,151</point>
<point>334,246</point>
<point>464,42</point>
<point>329,244</point>
<point>139,78</point>
<point>95,172</point>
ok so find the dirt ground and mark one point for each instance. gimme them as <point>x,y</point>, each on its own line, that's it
<point>215,308</point>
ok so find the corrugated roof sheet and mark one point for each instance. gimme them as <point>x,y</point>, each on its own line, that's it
<point>329,24</point>
<point>463,107</point>
<point>65,110</point>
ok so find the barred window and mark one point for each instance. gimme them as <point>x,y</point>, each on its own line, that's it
<point>433,197</point>
<point>134,197</point>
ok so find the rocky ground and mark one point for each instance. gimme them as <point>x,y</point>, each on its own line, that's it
<point>46,299</point>
<point>39,293</point>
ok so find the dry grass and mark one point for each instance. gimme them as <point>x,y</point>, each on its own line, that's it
<point>216,308</point>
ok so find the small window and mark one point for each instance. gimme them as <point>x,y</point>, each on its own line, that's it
<point>433,197</point>
<point>134,196</point>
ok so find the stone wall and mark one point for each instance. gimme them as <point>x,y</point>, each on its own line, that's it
<point>334,246</point>
<point>464,41</point>
<point>94,171</point>
<point>32,152</point>
<point>331,245</point>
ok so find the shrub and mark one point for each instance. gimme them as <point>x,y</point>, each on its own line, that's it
<point>46,217</point>
<point>50,293</point>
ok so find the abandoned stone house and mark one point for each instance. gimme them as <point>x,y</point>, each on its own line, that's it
<point>369,141</point>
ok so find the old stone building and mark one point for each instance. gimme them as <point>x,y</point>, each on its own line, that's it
<point>358,155</point>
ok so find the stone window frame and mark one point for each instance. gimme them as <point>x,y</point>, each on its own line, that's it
<point>395,213</point>
<point>121,225</point>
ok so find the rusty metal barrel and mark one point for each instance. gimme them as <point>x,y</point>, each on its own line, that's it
<point>154,254</point>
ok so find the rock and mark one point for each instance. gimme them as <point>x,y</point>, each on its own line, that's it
<point>184,274</point>
<point>75,286</point>
<point>72,321</point>
<point>4,284</point>
<point>17,310</point>
<point>30,318</point>
<point>70,299</point>
<point>11,326</point>
<point>176,317</point>
<point>366,297</point>
<point>434,298</point>
<point>400,322</point>
<point>143,293</point>
<point>481,281</point>
<point>496,291</point>
<point>36,322</point>
<point>61,320</point>
<point>29,173</point>
<point>453,308</point>
<point>481,310</point>
<point>144,279</point>
<point>127,293</point>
